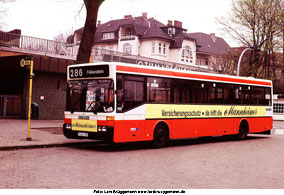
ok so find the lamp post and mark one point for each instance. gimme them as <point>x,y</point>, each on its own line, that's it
<point>240,59</point>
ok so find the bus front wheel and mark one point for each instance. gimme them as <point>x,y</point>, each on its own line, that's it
<point>161,136</point>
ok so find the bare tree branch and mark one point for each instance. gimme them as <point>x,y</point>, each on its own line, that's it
<point>257,24</point>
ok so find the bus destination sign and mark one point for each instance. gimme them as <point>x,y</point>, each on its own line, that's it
<point>89,71</point>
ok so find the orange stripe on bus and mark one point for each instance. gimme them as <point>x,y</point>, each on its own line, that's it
<point>188,75</point>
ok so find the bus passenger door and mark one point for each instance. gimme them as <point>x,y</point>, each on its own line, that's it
<point>131,104</point>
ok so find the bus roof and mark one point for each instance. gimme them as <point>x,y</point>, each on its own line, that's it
<point>177,73</point>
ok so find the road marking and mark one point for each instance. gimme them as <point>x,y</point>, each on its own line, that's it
<point>279,131</point>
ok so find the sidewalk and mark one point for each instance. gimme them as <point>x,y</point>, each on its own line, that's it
<point>44,133</point>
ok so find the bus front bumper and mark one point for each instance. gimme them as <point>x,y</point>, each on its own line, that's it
<point>104,133</point>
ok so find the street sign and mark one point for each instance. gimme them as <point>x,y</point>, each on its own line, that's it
<point>24,62</point>
<point>28,61</point>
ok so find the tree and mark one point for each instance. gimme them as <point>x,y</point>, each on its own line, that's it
<point>62,36</point>
<point>59,44</point>
<point>224,63</point>
<point>3,12</point>
<point>87,41</point>
<point>255,23</point>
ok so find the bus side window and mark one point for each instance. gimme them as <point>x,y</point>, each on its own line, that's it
<point>180,92</point>
<point>159,90</point>
<point>258,96</point>
<point>237,93</point>
<point>212,93</point>
<point>229,94</point>
<point>130,92</point>
<point>202,92</point>
<point>120,93</point>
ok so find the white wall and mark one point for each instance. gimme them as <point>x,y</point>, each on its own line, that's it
<point>134,45</point>
<point>176,54</point>
<point>146,49</point>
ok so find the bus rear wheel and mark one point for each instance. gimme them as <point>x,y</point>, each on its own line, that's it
<point>243,130</point>
<point>161,136</point>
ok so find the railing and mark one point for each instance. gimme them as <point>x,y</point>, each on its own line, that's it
<point>128,37</point>
<point>113,56</point>
<point>35,44</point>
<point>10,106</point>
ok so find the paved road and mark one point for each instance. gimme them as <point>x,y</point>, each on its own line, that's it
<point>217,163</point>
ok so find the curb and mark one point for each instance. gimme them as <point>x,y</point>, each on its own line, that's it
<point>23,147</point>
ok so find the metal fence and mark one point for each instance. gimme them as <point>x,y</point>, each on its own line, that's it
<point>35,44</point>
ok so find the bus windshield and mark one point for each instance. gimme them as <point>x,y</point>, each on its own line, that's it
<point>90,96</point>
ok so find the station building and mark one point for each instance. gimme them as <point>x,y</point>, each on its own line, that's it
<point>49,80</point>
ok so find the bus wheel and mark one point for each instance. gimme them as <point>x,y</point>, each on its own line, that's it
<point>243,130</point>
<point>161,136</point>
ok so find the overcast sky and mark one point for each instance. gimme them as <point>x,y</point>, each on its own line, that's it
<point>46,18</point>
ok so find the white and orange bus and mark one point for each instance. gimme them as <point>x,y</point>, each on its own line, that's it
<point>127,103</point>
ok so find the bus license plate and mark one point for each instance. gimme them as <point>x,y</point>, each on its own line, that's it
<point>83,134</point>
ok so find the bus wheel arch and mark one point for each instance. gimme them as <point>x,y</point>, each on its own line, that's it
<point>243,129</point>
<point>161,134</point>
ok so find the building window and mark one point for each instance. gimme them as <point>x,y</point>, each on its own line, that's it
<point>187,52</point>
<point>127,48</point>
<point>171,31</point>
<point>206,61</point>
<point>160,47</point>
<point>129,32</point>
<point>108,35</point>
<point>153,47</point>
<point>198,61</point>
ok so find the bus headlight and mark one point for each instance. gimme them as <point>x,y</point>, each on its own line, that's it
<point>68,126</point>
<point>102,129</point>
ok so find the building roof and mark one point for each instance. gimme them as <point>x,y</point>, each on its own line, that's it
<point>144,28</point>
<point>153,29</point>
<point>210,44</point>
<point>179,37</point>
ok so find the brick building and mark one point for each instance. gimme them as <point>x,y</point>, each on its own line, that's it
<point>49,81</point>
